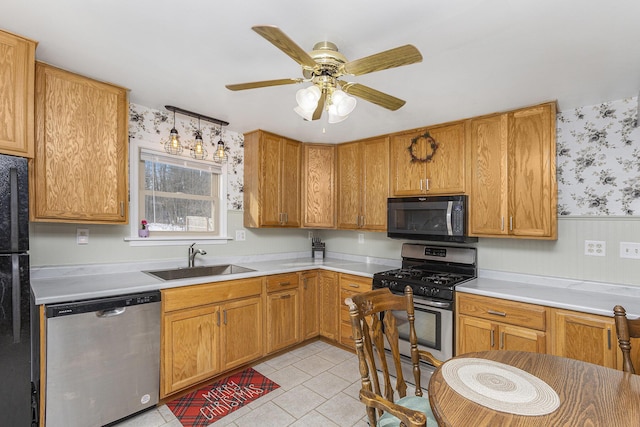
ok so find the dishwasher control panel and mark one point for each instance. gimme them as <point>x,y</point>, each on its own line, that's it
<point>101,304</point>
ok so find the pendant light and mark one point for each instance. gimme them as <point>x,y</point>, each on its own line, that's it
<point>197,149</point>
<point>173,146</point>
<point>220,155</point>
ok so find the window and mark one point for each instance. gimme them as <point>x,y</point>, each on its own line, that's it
<point>180,198</point>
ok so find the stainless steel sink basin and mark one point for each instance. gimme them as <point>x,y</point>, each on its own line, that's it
<point>207,270</point>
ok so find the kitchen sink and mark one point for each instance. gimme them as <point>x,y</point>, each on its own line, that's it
<point>207,270</point>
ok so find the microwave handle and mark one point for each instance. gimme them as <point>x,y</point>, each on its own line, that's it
<point>449,225</point>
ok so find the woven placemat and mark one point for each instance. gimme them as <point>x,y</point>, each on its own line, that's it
<point>500,387</point>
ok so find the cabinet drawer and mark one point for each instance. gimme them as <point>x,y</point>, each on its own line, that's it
<point>499,310</point>
<point>346,335</point>
<point>355,283</point>
<point>281,282</point>
<point>199,295</point>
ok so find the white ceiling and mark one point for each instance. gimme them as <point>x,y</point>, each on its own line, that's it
<point>479,56</point>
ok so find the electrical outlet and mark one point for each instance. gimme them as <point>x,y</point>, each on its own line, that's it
<point>595,248</point>
<point>630,250</point>
<point>240,235</point>
<point>82,236</point>
<point>360,237</point>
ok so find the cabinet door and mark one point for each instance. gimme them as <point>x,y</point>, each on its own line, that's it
<point>375,184</point>
<point>270,180</point>
<point>241,333</point>
<point>349,184</point>
<point>475,335</point>
<point>407,178</point>
<point>283,324</point>
<point>309,305</point>
<point>290,184</point>
<point>488,180</point>
<point>17,69</point>
<point>318,186</point>
<point>446,172</point>
<point>521,339</point>
<point>532,172</point>
<point>329,304</point>
<point>190,347</point>
<point>81,149</point>
<point>585,337</point>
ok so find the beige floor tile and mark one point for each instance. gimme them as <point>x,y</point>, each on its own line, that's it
<point>314,365</point>
<point>266,398</point>
<point>342,410</point>
<point>336,355</point>
<point>282,361</point>
<point>151,418</point>
<point>314,419</point>
<point>327,385</point>
<point>289,377</point>
<point>299,400</point>
<point>347,370</point>
<point>267,415</point>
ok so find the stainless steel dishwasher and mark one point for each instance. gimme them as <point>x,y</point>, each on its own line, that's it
<point>102,359</point>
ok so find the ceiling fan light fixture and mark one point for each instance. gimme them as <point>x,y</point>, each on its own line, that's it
<point>334,117</point>
<point>344,103</point>
<point>307,98</point>
<point>305,114</point>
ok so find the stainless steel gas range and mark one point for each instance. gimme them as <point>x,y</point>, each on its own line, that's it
<point>433,272</point>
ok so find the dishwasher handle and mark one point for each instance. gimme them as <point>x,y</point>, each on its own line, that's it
<point>111,312</point>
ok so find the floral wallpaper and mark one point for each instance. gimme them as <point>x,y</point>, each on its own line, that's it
<point>598,155</point>
<point>153,127</point>
<point>598,159</point>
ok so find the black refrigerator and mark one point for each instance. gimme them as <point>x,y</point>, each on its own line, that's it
<point>19,349</point>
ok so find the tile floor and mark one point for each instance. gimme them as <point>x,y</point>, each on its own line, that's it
<point>319,385</point>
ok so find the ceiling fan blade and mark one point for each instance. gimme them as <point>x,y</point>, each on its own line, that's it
<point>266,83</point>
<point>285,44</point>
<point>397,57</point>
<point>318,112</point>
<point>375,96</point>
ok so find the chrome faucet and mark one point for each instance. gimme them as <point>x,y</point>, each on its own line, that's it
<point>193,252</point>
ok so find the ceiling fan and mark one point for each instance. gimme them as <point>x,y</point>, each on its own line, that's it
<point>323,67</point>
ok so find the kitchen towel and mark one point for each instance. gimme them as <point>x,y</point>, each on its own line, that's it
<point>212,402</point>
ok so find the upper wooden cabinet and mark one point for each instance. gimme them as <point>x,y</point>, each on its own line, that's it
<point>512,174</point>
<point>80,164</point>
<point>318,186</point>
<point>271,180</point>
<point>444,173</point>
<point>17,70</point>
<point>363,184</point>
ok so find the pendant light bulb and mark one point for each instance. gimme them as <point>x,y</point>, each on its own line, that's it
<point>173,146</point>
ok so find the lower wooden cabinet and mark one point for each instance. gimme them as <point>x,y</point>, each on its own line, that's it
<point>493,324</point>
<point>329,295</point>
<point>350,286</point>
<point>309,305</point>
<point>282,307</point>
<point>208,329</point>
<point>583,336</point>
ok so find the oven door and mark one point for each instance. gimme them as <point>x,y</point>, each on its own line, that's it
<point>434,328</point>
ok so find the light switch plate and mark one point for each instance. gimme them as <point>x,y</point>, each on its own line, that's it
<point>360,237</point>
<point>82,236</point>
<point>630,250</point>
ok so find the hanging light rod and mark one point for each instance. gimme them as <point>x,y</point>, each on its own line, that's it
<point>196,115</point>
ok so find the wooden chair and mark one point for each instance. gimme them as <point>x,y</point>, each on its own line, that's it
<point>625,330</point>
<point>369,332</point>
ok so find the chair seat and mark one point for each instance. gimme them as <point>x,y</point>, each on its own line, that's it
<point>416,403</point>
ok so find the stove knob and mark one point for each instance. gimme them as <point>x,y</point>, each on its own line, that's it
<point>435,291</point>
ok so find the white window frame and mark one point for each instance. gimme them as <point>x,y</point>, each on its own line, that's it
<point>136,152</point>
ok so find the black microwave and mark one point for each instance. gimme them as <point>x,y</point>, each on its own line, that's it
<point>435,218</point>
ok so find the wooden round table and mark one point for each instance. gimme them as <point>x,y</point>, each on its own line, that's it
<point>590,395</point>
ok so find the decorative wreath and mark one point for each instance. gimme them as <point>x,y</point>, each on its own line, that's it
<point>432,143</point>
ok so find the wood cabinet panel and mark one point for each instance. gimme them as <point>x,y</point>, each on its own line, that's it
<point>17,77</point>
<point>209,293</point>
<point>309,305</point>
<point>512,174</point>
<point>349,286</point>
<point>444,174</point>
<point>242,332</point>
<point>271,180</point>
<point>363,184</point>
<point>318,186</point>
<point>504,311</point>
<point>585,337</point>
<point>283,325</point>
<point>329,304</point>
<point>190,347</point>
<point>80,164</point>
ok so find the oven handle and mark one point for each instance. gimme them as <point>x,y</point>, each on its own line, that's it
<point>429,303</point>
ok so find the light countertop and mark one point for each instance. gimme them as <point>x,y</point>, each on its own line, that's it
<point>74,283</point>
